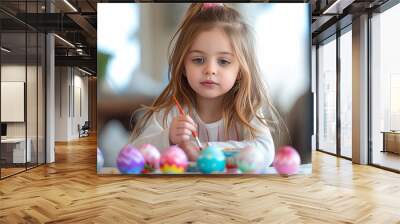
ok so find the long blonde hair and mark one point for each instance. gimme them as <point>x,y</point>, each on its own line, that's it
<point>246,98</point>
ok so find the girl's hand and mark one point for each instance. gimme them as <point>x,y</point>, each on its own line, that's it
<point>191,150</point>
<point>181,129</point>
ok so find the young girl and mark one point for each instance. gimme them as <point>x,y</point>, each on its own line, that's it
<point>215,77</point>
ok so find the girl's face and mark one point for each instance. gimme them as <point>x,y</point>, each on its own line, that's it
<point>210,65</point>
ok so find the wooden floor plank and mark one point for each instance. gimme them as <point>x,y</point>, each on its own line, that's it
<point>70,191</point>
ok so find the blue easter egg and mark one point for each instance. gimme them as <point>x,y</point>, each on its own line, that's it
<point>211,159</point>
<point>100,160</point>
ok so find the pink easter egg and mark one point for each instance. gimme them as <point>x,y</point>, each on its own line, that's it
<point>173,160</point>
<point>151,157</point>
<point>287,161</point>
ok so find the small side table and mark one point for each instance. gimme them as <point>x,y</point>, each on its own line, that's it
<point>391,141</point>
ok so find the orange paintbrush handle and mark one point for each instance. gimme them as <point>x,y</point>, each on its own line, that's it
<point>179,106</point>
<point>194,133</point>
<point>182,112</point>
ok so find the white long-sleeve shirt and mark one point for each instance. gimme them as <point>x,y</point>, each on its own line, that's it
<point>213,133</point>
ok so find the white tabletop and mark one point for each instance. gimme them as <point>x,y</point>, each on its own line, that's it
<point>303,169</point>
<point>13,140</point>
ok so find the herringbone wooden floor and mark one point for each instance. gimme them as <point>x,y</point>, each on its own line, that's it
<point>70,191</point>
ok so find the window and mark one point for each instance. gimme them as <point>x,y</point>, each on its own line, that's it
<point>327,96</point>
<point>346,93</point>
<point>385,88</point>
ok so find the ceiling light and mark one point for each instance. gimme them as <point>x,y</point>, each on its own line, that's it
<point>64,40</point>
<point>84,71</point>
<point>70,5</point>
<point>337,7</point>
<point>5,49</point>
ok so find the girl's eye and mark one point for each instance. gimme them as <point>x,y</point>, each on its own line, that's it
<point>198,60</point>
<point>223,62</point>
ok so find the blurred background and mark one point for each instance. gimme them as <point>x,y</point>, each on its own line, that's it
<point>132,57</point>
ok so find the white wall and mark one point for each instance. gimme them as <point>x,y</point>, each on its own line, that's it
<point>33,127</point>
<point>61,103</point>
<point>80,89</point>
<point>16,73</point>
<point>70,83</point>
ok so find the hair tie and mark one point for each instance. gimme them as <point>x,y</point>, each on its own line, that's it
<point>211,5</point>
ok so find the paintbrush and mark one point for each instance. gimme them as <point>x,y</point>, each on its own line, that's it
<point>182,112</point>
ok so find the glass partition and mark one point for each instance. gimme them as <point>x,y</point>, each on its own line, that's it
<point>22,89</point>
<point>346,93</point>
<point>13,104</point>
<point>327,95</point>
<point>385,89</point>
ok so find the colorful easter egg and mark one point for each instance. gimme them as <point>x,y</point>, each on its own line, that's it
<point>287,161</point>
<point>230,158</point>
<point>251,160</point>
<point>173,160</point>
<point>100,160</point>
<point>151,157</point>
<point>130,160</point>
<point>211,159</point>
